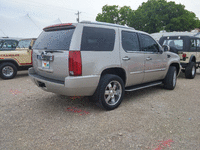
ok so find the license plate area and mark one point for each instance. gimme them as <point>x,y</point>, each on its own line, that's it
<point>45,64</point>
<point>45,57</point>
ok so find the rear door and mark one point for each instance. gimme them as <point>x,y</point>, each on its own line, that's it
<point>132,58</point>
<point>155,62</point>
<point>50,53</point>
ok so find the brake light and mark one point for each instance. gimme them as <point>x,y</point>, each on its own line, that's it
<point>184,55</point>
<point>75,64</point>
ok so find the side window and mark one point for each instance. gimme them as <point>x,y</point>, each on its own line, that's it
<point>10,44</point>
<point>130,41</point>
<point>198,45</point>
<point>193,46</point>
<point>97,39</point>
<point>148,43</point>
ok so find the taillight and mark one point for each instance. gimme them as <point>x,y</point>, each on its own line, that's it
<point>75,64</point>
<point>184,56</point>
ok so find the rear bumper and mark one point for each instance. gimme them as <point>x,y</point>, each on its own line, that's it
<point>72,86</point>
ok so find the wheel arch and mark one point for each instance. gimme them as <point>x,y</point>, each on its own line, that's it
<point>192,59</point>
<point>10,61</point>
<point>116,71</point>
<point>177,67</point>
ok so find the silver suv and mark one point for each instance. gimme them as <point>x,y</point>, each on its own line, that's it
<point>100,60</point>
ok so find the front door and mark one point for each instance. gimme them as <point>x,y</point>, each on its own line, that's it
<point>132,58</point>
<point>155,62</point>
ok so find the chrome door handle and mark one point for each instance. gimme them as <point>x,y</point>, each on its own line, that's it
<point>148,58</point>
<point>126,58</point>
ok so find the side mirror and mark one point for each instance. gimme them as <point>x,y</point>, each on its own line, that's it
<point>166,48</point>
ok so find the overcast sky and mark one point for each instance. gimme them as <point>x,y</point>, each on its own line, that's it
<point>65,9</point>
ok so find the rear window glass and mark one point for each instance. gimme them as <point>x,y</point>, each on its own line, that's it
<point>178,44</point>
<point>1,43</point>
<point>97,39</point>
<point>54,40</point>
<point>130,41</point>
<point>24,43</point>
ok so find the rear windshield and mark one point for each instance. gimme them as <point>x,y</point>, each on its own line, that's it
<point>54,40</point>
<point>24,43</point>
<point>178,44</point>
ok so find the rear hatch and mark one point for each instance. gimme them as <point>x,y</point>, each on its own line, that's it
<point>51,50</point>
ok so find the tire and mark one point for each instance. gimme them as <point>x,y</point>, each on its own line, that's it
<point>8,70</point>
<point>106,89</point>
<point>190,70</point>
<point>170,79</point>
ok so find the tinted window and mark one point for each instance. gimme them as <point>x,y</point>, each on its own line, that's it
<point>9,44</point>
<point>148,44</point>
<point>193,45</point>
<point>178,44</point>
<point>24,43</point>
<point>97,39</point>
<point>54,40</point>
<point>1,44</point>
<point>130,41</point>
<point>198,45</point>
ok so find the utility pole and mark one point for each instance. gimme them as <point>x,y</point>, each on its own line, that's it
<point>78,16</point>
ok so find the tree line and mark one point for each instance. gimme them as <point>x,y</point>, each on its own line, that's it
<point>152,16</point>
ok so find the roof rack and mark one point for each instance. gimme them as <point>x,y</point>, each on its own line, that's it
<point>107,24</point>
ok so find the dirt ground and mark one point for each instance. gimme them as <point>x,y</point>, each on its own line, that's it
<point>148,119</point>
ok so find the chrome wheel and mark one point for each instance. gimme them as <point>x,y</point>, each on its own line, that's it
<point>193,70</point>
<point>113,92</point>
<point>7,71</point>
<point>174,79</point>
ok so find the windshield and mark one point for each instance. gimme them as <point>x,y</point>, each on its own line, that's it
<point>24,43</point>
<point>178,44</point>
<point>54,40</point>
<point>1,43</point>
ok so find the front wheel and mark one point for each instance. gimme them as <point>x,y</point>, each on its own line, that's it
<point>8,70</point>
<point>170,79</point>
<point>190,70</point>
<point>110,92</point>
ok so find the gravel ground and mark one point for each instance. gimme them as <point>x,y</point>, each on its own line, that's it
<point>148,119</point>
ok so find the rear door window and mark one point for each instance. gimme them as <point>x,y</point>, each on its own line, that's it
<point>130,41</point>
<point>54,40</point>
<point>97,39</point>
<point>24,43</point>
<point>9,44</point>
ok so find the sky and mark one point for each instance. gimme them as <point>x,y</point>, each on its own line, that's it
<point>66,10</point>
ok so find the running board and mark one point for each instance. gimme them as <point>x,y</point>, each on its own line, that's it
<point>142,86</point>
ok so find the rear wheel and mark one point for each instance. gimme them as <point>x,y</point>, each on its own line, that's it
<point>170,79</point>
<point>110,92</point>
<point>190,70</point>
<point>8,70</point>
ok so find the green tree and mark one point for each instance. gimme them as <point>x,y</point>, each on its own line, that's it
<point>110,14</point>
<point>152,16</point>
<point>115,14</point>
<point>125,15</point>
<point>156,15</point>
